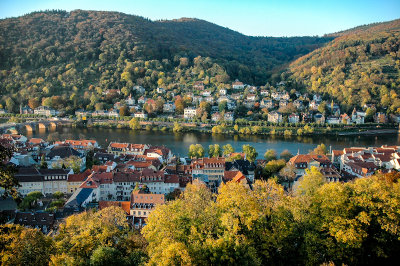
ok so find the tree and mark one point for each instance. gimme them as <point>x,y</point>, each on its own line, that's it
<point>320,149</point>
<point>58,195</point>
<point>124,111</point>
<point>43,163</point>
<point>322,107</point>
<point>196,151</point>
<point>250,153</point>
<point>24,246</point>
<point>310,182</point>
<point>222,106</point>
<point>134,124</point>
<point>288,173</point>
<point>273,167</point>
<point>270,155</point>
<point>214,151</point>
<point>10,105</point>
<point>7,180</point>
<point>227,150</point>
<point>179,105</point>
<point>82,237</point>
<point>104,256</point>
<point>177,127</point>
<point>286,155</point>
<point>33,103</point>
<point>72,162</point>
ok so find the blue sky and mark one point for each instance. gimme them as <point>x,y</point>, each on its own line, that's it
<point>251,17</point>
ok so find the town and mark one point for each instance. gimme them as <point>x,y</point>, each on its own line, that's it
<point>137,177</point>
<point>210,105</point>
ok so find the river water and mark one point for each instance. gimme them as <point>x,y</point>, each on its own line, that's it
<point>179,142</point>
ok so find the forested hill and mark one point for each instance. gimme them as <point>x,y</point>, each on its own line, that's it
<point>43,54</point>
<point>360,66</point>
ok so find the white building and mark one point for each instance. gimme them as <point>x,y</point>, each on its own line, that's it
<point>140,115</point>
<point>44,110</point>
<point>189,113</point>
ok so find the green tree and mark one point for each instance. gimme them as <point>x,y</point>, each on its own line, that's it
<point>43,163</point>
<point>214,151</point>
<point>286,155</point>
<point>270,155</point>
<point>227,150</point>
<point>222,106</point>
<point>58,195</point>
<point>196,151</point>
<point>104,256</point>
<point>250,152</point>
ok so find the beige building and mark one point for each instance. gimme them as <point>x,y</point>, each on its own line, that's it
<point>142,204</point>
<point>47,181</point>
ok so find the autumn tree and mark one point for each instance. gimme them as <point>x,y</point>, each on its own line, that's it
<point>227,150</point>
<point>24,246</point>
<point>250,153</point>
<point>7,180</point>
<point>320,149</point>
<point>134,124</point>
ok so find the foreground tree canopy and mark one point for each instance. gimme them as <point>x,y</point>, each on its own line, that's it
<point>351,223</point>
<point>342,223</point>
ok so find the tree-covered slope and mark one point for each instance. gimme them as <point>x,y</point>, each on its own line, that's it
<point>360,66</point>
<point>43,54</point>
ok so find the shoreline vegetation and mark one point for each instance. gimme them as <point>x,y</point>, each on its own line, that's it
<point>239,126</point>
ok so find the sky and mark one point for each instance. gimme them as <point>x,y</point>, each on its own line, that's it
<point>251,17</point>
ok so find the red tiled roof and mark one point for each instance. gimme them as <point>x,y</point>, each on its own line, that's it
<point>229,175</point>
<point>119,145</point>
<point>99,168</point>
<point>383,157</point>
<point>83,143</point>
<point>171,179</point>
<point>36,140</point>
<point>337,152</point>
<point>79,177</point>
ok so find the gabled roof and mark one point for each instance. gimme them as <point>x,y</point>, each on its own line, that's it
<point>36,141</point>
<point>63,152</point>
<point>79,177</point>
<point>34,219</point>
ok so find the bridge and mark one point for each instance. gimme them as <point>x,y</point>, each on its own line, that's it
<point>32,126</point>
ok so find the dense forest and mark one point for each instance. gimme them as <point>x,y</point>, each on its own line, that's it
<point>360,66</point>
<point>68,54</point>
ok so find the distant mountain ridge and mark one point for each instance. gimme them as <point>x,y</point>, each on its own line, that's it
<point>67,54</point>
<point>360,66</point>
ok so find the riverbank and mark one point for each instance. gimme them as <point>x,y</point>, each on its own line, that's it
<point>240,126</point>
<point>251,128</point>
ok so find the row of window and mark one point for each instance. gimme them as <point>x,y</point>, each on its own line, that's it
<point>55,177</point>
<point>140,212</point>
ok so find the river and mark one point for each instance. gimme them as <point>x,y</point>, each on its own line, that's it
<point>179,142</point>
